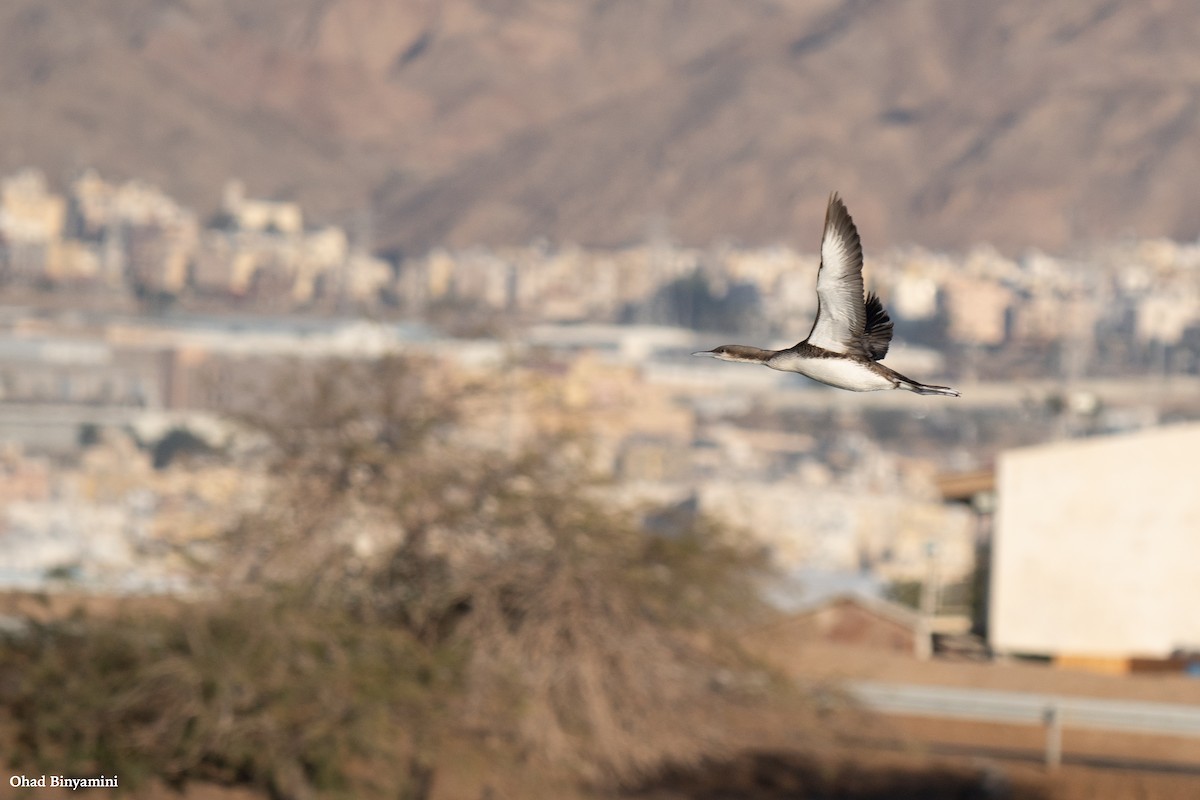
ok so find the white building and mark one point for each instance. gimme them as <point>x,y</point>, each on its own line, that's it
<point>1096,552</point>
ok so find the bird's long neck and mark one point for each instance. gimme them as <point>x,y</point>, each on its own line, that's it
<point>752,355</point>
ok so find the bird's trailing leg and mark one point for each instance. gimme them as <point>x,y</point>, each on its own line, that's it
<point>921,388</point>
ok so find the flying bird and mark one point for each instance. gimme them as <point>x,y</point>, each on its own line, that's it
<point>850,335</point>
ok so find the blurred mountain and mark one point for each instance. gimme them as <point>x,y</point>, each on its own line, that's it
<point>497,121</point>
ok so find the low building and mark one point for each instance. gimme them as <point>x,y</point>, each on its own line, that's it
<point>1096,554</point>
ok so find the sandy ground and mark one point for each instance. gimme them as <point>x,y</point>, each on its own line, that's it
<point>1097,765</point>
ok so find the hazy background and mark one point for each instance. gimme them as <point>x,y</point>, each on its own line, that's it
<point>458,122</point>
<point>351,444</point>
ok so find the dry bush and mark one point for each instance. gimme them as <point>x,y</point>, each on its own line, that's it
<point>594,645</point>
<point>600,646</point>
<point>277,695</point>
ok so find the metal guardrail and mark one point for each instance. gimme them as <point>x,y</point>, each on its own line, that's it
<point>1052,711</point>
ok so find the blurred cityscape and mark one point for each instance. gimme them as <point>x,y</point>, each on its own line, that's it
<point>127,321</point>
<point>352,445</point>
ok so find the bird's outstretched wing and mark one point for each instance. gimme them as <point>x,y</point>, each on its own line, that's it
<point>841,312</point>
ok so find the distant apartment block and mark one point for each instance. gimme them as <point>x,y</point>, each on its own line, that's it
<point>29,211</point>
<point>260,215</point>
<point>131,236</point>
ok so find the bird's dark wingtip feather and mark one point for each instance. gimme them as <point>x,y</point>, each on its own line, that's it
<point>834,205</point>
<point>837,215</point>
<point>838,218</point>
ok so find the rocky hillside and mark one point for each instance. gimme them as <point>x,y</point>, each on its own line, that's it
<point>462,121</point>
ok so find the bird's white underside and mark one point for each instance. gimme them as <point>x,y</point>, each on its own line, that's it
<point>842,373</point>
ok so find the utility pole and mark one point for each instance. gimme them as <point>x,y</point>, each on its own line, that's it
<point>929,587</point>
<point>929,600</point>
<point>1052,717</point>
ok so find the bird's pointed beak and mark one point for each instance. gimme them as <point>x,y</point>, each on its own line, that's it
<point>708,353</point>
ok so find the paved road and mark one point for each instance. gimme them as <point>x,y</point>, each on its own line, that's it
<point>986,705</point>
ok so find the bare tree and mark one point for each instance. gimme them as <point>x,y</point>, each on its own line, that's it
<point>594,644</point>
